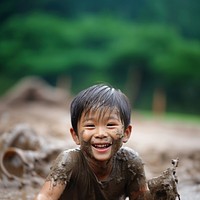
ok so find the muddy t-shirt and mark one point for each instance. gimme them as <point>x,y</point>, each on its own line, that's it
<point>71,168</point>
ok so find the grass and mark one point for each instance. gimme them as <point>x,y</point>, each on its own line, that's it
<point>169,116</point>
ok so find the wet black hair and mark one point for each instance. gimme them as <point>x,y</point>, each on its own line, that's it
<point>100,96</point>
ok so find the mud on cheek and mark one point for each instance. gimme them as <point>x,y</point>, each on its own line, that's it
<point>86,147</point>
<point>117,141</point>
<point>116,145</point>
<point>119,133</point>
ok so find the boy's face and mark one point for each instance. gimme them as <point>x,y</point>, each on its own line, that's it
<point>101,134</point>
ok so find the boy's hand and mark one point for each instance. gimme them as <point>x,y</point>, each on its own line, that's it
<point>164,187</point>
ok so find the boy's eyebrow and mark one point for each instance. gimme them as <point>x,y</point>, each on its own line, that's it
<point>115,117</point>
<point>88,119</point>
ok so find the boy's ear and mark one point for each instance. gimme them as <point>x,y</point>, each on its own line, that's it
<point>127,134</point>
<point>74,136</point>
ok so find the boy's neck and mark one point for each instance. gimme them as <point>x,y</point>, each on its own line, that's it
<point>101,169</point>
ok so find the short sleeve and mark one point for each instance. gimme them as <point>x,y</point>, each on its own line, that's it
<point>62,168</point>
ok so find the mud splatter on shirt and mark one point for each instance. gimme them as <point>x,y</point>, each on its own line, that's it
<point>71,169</point>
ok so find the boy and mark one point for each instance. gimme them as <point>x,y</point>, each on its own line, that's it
<point>100,169</point>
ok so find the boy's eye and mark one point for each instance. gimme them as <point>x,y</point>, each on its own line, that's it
<point>89,125</point>
<point>111,124</point>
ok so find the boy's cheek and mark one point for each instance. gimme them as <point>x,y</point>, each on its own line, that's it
<point>85,135</point>
<point>117,144</point>
<point>118,134</point>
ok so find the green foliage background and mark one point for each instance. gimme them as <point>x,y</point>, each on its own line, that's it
<point>138,46</point>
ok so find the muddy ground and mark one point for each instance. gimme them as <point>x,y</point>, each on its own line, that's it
<point>157,141</point>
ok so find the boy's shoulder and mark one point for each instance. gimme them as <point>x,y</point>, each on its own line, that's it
<point>129,156</point>
<point>62,167</point>
<point>126,153</point>
<point>129,161</point>
<point>66,159</point>
<point>68,156</point>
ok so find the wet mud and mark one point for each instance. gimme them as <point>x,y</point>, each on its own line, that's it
<point>35,130</point>
<point>164,187</point>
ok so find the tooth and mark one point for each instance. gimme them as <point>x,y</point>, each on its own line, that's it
<point>101,145</point>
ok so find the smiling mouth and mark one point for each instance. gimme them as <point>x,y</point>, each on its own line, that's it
<point>101,146</point>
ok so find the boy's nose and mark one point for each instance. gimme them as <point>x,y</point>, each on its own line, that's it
<point>101,133</point>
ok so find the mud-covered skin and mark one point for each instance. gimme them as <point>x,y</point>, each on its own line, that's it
<point>102,126</point>
<point>71,169</point>
<point>164,187</point>
<point>116,143</point>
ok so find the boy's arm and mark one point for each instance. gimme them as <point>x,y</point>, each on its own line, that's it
<point>50,192</point>
<point>137,183</point>
<point>142,194</point>
<point>165,185</point>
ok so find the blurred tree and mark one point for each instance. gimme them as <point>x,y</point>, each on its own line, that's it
<point>183,15</point>
<point>140,59</point>
<point>180,73</point>
<point>49,46</point>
